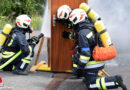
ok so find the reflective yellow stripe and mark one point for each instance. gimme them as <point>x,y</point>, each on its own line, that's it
<point>94,62</point>
<point>94,66</point>
<point>103,83</point>
<point>89,35</point>
<point>26,61</point>
<point>84,57</point>
<point>13,67</point>
<point>10,42</point>
<point>98,83</point>
<point>70,36</point>
<point>74,65</point>
<point>10,60</point>
<point>7,54</point>
<point>69,25</point>
<point>28,58</point>
<point>30,48</point>
<point>117,83</point>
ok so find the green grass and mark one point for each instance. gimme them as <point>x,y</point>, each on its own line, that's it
<point>36,22</point>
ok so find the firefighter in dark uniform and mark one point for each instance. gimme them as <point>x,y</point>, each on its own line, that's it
<point>82,57</point>
<point>18,51</point>
<point>63,13</point>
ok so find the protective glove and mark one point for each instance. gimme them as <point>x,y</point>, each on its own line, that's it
<point>76,70</point>
<point>66,34</point>
<point>75,58</point>
<point>34,40</point>
<point>68,24</point>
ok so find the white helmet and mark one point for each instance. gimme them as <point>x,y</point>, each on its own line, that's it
<point>23,21</point>
<point>63,12</point>
<point>77,15</point>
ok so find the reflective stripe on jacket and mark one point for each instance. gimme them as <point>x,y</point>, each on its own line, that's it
<point>87,42</point>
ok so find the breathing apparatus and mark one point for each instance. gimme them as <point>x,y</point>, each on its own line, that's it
<point>100,53</point>
<point>4,35</point>
<point>98,24</point>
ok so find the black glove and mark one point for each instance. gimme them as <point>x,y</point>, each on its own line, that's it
<point>77,70</point>
<point>75,58</point>
<point>66,34</point>
<point>34,40</point>
<point>68,24</point>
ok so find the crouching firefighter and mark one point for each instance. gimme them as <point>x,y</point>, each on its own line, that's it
<point>86,41</point>
<point>63,13</point>
<point>19,52</point>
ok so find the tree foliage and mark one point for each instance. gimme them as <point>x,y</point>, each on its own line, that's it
<point>18,7</point>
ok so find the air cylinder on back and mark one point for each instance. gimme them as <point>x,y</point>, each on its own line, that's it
<point>90,12</point>
<point>3,35</point>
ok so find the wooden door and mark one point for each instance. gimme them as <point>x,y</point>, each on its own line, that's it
<point>61,59</point>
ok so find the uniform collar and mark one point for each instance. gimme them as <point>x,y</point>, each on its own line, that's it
<point>17,29</point>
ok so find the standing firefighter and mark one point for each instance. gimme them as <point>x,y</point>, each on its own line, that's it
<point>18,52</point>
<point>84,43</point>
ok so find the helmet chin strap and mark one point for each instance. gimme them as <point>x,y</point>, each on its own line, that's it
<point>29,35</point>
<point>30,30</point>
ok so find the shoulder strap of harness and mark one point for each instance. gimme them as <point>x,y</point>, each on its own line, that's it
<point>7,40</point>
<point>8,36</point>
<point>91,27</point>
<point>98,34</point>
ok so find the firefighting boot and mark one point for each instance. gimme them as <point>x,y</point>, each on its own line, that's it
<point>120,82</point>
<point>75,76</point>
<point>20,72</point>
<point>77,73</point>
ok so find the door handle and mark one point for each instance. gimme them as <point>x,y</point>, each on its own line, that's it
<point>54,20</point>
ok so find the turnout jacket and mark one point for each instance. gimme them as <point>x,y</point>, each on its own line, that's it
<point>17,43</point>
<point>86,41</point>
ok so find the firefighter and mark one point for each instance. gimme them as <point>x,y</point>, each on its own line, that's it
<point>63,13</point>
<point>18,50</point>
<point>85,36</point>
